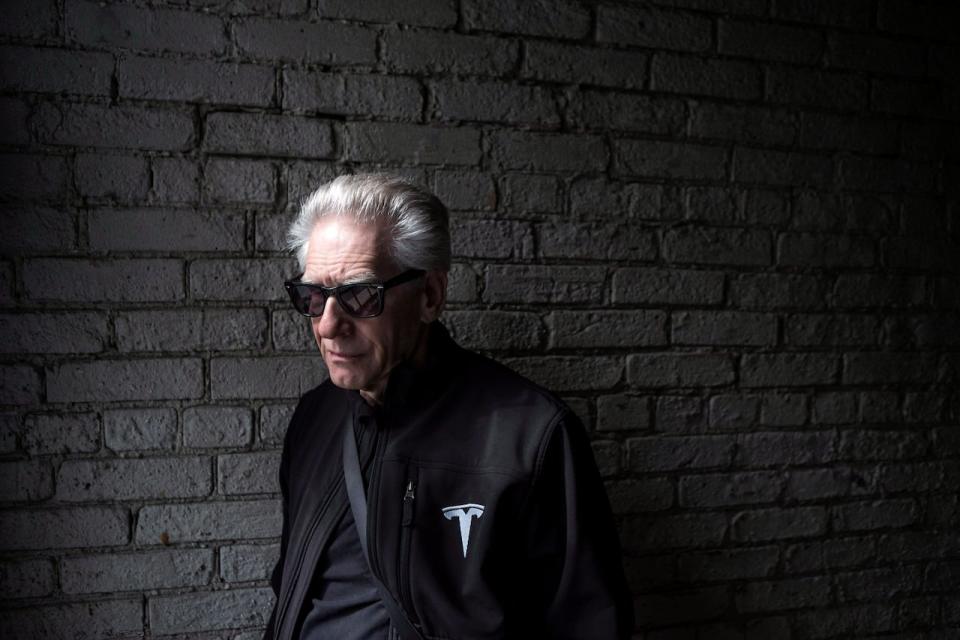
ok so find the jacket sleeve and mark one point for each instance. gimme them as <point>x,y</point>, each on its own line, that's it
<point>573,544</point>
<point>277,574</point>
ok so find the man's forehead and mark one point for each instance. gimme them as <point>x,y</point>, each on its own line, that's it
<point>340,250</point>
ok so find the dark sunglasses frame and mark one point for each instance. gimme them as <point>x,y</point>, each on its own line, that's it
<point>292,287</point>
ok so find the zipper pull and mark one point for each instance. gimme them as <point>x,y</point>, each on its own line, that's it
<point>408,504</point>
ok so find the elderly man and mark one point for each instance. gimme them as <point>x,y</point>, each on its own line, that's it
<point>428,492</point>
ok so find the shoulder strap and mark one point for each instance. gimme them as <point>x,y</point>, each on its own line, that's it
<point>358,505</point>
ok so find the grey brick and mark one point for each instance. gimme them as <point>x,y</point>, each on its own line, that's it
<point>242,562</point>
<point>928,254</point>
<point>177,523</point>
<point>675,531</point>
<point>265,377</point>
<point>713,204</point>
<point>302,178</point>
<point>882,444</point>
<point>14,113</point>
<point>191,612</point>
<point>493,101</point>
<point>577,64</point>
<point>125,178</point>
<point>656,28</point>
<point>554,18</point>
<point>723,328</point>
<point>32,578</point>
<point>825,250</point>
<point>726,489</point>
<point>41,229</point>
<point>374,95</point>
<point>491,239</point>
<point>110,26</point>
<point>116,127</point>
<point>875,514</point>
<point>115,380</point>
<point>828,622</point>
<point>107,618</point>
<point>623,412</point>
<point>923,406</point>
<point>525,193</point>
<point>922,98</point>
<point>464,189</point>
<point>627,112</point>
<point>51,332</point>
<point>463,286</point>
<point>411,143</point>
<point>776,448</point>
<point>141,571</point>
<point>681,452</point>
<point>832,329</point>
<point>64,71</point>
<point>903,478</point>
<point>679,370</point>
<point>548,152</point>
<point>63,528</point>
<point>784,409</point>
<point>830,131</point>
<point>30,19</point>
<point>274,419</point>
<point>714,245</point>
<point>853,13</point>
<point>770,167</point>
<point>882,174</point>
<point>635,496</point>
<point>596,241</point>
<point>428,14</point>
<point>680,414</point>
<point>730,564</point>
<point>227,180</point>
<point>887,368</point>
<point>608,456</point>
<point>195,81</point>
<point>770,42</point>
<point>205,427</point>
<point>290,331</point>
<point>122,479</point>
<point>658,159</point>
<point>183,330</point>
<point>415,51</point>
<point>25,481</point>
<point>33,177</point>
<point>240,280</point>
<point>310,42</point>
<point>815,88</point>
<point>787,369</point>
<point>139,429</point>
<point>20,384</point>
<point>533,284</point>
<point>705,76</point>
<point>569,373</point>
<point>778,523</point>
<point>587,329</point>
<point>806,557</point>
<point>734,412</point>
<point>495,330</point>
<point>261,134</point>
<point>877,54</point>
<point>61,433</point>
<point>834,482</point>
<point>176,180</point>
<point>667,286</point>
<point>773,595</point>
<point>6,283</point>
<point>244,473</point>
<point>743,124</point>
<point>879,407</point>
<point>164,230</point>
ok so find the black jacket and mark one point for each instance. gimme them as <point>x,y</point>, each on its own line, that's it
<point>540,560</point>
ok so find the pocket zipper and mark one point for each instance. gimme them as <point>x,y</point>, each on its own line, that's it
<point>406,534</point>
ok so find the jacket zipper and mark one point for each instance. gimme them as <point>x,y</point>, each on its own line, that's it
<point>406,534</point>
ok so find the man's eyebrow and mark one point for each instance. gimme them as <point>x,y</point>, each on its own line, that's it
<point>365,276</point>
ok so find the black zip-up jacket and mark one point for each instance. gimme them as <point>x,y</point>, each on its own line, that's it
<point>487,515</point>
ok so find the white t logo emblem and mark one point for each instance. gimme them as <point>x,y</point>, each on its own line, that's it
<point>465,513</point>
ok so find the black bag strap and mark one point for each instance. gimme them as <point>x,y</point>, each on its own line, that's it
<point>358,505</point>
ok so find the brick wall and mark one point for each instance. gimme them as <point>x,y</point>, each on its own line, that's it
<point>726,231</point>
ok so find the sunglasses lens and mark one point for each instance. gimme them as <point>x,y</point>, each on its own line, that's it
<point>307,300</point>
<point>361,300</point>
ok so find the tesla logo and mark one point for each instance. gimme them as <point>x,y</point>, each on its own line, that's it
<point>465,513</point>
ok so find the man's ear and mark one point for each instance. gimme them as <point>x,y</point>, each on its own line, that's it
<point>434,295</point>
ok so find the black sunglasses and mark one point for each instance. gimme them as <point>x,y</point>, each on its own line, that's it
<point>358,299</point>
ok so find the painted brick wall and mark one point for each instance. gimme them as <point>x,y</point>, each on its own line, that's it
<point>725,230</point>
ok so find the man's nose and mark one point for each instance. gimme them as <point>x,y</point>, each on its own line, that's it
<point>334,321</point>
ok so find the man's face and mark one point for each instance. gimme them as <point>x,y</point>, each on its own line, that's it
<point>360,352</point>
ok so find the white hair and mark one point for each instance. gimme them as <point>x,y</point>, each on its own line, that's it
<point>415,219</point>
